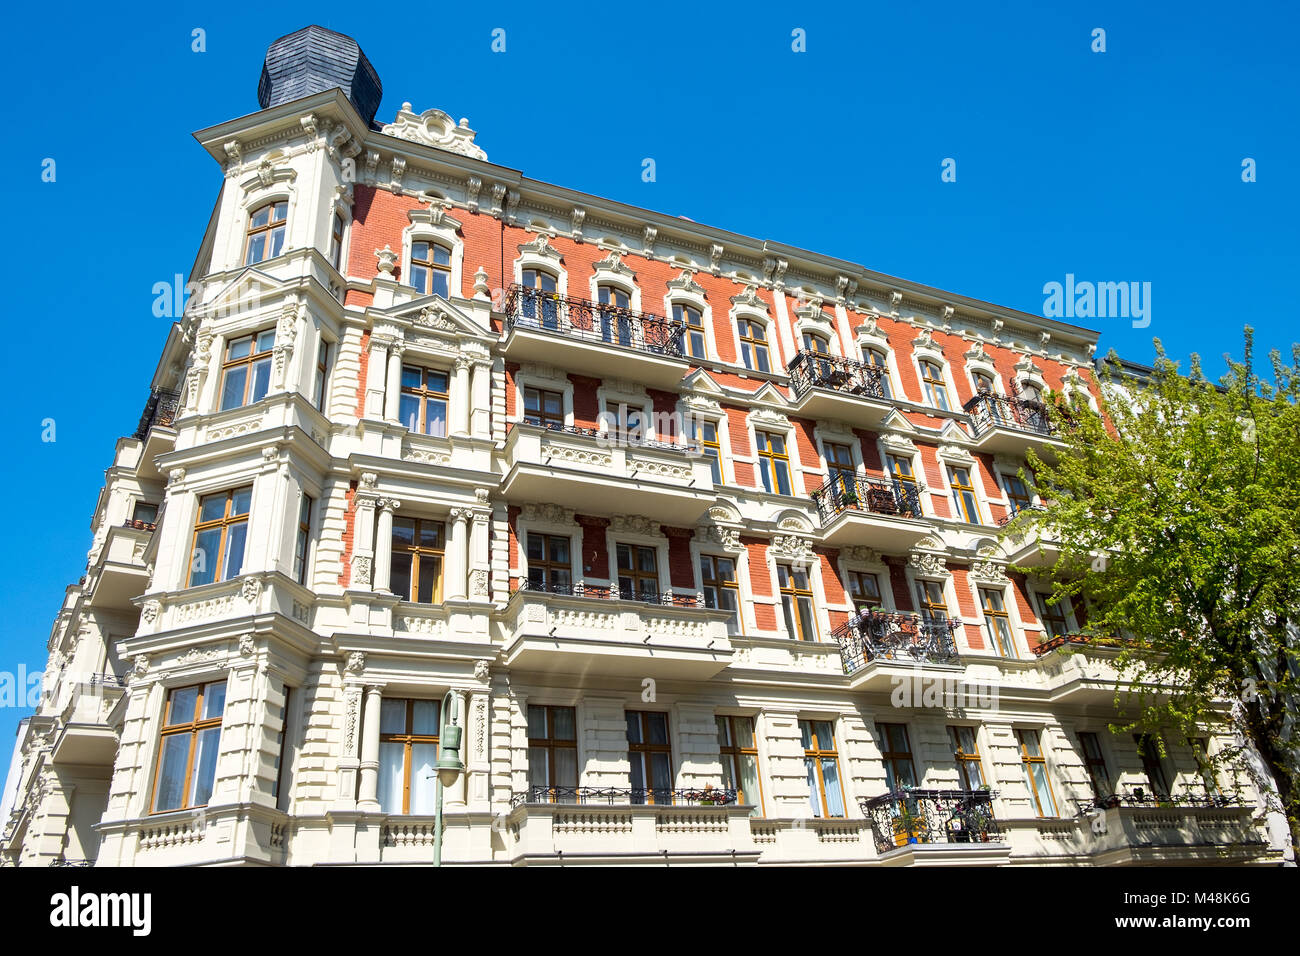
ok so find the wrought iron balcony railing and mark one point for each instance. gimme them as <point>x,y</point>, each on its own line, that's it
<point>1012,515</point>
<point>137,525</point>
<point>877,635</point>
<point>107,680</point>
<point>1189,798</point>
<point>882,496</point>
<point>810,370</point>
<point>602,592</point>
<point>625,796</point>
<point>160,409</point>
<point>996,411</point>
<point>592,322</point>
<point>904,817</point>
<point>1091,640</point>
<point>612,436</point>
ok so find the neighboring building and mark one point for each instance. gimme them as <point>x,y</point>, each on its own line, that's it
<point>703,527</point>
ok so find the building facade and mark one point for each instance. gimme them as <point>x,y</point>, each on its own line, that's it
<point>704,529</point>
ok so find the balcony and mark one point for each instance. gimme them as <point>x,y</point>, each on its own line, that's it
<point>601,339</point>
<point>879,513</point>
<point>618,826</point>
<point>826,386</point>
<point>601,473</point>
<point>119,573</point>
<point>879,637</point>
<point>597,631</point>
<point>958,820</point>
<point>1033,547</point>
<point>155,430</point>
<point>1010,426</point>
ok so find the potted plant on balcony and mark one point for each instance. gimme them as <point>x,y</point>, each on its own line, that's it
<point>908,824</point>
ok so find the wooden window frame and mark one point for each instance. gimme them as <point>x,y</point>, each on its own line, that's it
<point>790,592</point>
<point>711,449</point>
<point>635,573</point>
<point>254,357</point>
<point>302,539</point>
<point>928,607</point>
<point>721,585</point>
<point>843,472</point>
<point>734,751</point>
<point>423,393</point>
<point>1148,748</point>
<point>550,743</point>
<point>337,229</point>
<point>1053,614</point>
<point>936,387</point>
<point>543,418</point>
<point>1017,500</point>
<point>752,346</point>
<point>869,356</point>
<point>225,523</point>
<point>769,459</point>
<point>991,615</point>
<point>683,312</point>
<point>892,758</point>
<point>252,232</point>
<point>823,343</point>
<point>416,551</point>
<point>431,267</point>
<point>1028,761</point>
<point>966,758</point>
<point>409,741</point>
<point>644,749</point>
<point>546,565</point>
<point>1095,765</point>
<point>192,727</point>
<point>817,753</point>
<point>968,511</point>
<point>858,595</point>
<point>322,374</point>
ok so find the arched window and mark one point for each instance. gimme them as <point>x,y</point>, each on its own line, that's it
<point>877,359</point>
<point>616,323</point>
<point>936,390</point>
<point>753,345</point>
<point>984,384</point>
<point>692,323</point>
<point>816,343</point>
<point>430,268</point>
<point>543,285</point>
<point>265,239</point>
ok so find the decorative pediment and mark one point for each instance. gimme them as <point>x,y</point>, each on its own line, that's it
<point>769,416</point>
<point>613,264</point>
<point>899,444</point>
<point>924,342</point>
<point>546,514</point>
<point>726,538</point>
<point>437,316</point>
<point>702,404</point>
<point>541,248</point>
<point>858,554</point>
<point>724,511</point>
<point>686,283</point>
<point>794,521</point>
<point>926,563</point>
<point>266,174</point>
<point>977,354</point>
<point>243,295</point>
<point>870,330</point>
<point>434,128</point>
<point>792,546</point>
<point>989,572</point>
<point>435,216</point>
<point>750,299</point>
<point>634,524</point>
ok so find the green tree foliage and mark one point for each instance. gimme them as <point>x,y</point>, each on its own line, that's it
<point>1179,527</point>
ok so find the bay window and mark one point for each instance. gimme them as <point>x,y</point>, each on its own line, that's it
<point>187,751</point>
<point>246,369</point>
<point>217,550</point>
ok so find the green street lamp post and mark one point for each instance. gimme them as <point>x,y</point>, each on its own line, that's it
<point>450,765</point>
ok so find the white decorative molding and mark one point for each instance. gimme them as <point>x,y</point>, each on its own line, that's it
<point>434,128</point>
<point>925,563</point>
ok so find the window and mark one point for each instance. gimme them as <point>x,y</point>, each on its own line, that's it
<point>1054,615</point>
<point>417,560</point>
<point>878,359</point>
<point>544,408</point>
<point>549,568</point>
<point>542,304</point>
<point>145,512</point>
<point>1031,758</point>
<point>219,535</point>
<point>773,462</point>
<point>984,384</point>
<point>424,400</point>
<point>430,268</point>
<point>638,573</point>
<point>706,433</point>
<point>282,753</point>
<point>839,466</point>
<point>301,540</point>
<point>1095,764</point>
<point>336,241</point>
<point>930,599</point>
<point>408,753</point>
<point>864,589</point>
<point>616,324</point>
<point>265,238</point>
<point>187,751</point>
<point>1148,748</point>
<point>965,751</point>
<point>822,764</point>
<point>718,578</point>
<point>753,345</point>
<point>1204,765</point>
<point>896,753</point>
<point>816,343</point>
<point>963,495</point>
<point>322,375</point>
<point>739,753</point>
<point>1017,493</point>
<point>651,757</point>
<point>1030,392</point>
<point>690,319</point>
<point>246,370</point>
<point>797,602</point>
<point>552,753</point>
<point>936,391</point>
<point>900,469</point>
<point>625,422</point>
<point>997,624</point>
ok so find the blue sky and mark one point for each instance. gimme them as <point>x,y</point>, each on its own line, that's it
<point>1116,166</point>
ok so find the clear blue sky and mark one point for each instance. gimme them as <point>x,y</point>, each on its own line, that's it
<point>1115,166</point>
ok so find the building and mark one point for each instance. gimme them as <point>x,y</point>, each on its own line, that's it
<point>704,528</point>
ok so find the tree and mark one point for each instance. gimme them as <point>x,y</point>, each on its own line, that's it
<point>1178,521</point>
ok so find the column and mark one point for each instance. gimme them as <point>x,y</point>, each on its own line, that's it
<point>393,383</point>
<point>461,398</point>
<point>481,400</point>
<point>368,796</point>
<point>375,392</point>
<point>364,541</point>
<point>456,555</point>
<point>383,545</point>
